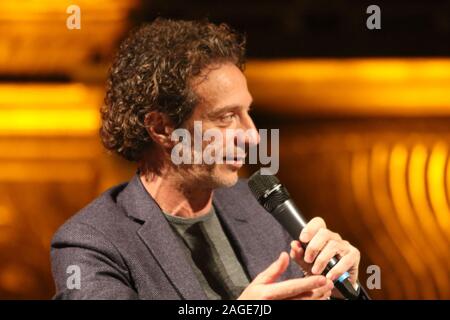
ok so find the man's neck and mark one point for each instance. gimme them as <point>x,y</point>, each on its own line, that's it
<point>175,198</point>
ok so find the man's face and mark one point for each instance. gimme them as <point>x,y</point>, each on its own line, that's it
<point>224,106</point>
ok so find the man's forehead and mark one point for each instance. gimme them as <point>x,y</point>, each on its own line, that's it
<point>222,82</point>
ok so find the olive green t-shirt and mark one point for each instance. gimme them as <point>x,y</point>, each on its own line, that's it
<point>211,255</point>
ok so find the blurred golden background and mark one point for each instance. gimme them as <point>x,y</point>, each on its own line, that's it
<point>364,140</point>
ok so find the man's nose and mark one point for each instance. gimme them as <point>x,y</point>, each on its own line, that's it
<point>251,136</point>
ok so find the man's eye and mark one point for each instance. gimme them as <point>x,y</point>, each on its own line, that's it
<point>228,117</point>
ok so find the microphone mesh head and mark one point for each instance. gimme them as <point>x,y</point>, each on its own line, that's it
<point>259,184</point>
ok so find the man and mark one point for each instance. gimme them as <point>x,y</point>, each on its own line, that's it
<point>186,231</point>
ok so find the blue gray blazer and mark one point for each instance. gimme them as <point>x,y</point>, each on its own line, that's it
<point>124,248</point>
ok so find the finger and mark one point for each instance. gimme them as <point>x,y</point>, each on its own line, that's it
<point>332,248</point>
<point>320,293</point>
<point>297,254</point>
<point>293,287</point>
<point>311,229</point>
<point>274,271</point>
<point>347,262</point>
<point>325,296</point>
<point>324,292</point>
<point>318,242</point>
<point>310,296</point>
<point>297,251</point>
<point>307,295</point>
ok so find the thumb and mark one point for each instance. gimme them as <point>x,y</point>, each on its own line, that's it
<point>297,254</point>
<point>274,271</point>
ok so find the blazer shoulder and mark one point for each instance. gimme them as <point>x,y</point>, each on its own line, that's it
<point>102,213</point>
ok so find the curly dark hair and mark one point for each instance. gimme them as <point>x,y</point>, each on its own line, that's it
<point>152,71</point>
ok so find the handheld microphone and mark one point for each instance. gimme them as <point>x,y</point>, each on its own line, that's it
<point>274,197</point>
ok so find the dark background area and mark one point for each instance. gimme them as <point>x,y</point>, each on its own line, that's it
<point>321,28</point>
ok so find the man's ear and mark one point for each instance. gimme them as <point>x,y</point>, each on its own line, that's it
<point>159,128</point>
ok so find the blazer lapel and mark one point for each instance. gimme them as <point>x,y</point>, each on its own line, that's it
<point>160,239</point>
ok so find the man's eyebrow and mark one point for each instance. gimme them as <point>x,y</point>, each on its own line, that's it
<point>224,110</point>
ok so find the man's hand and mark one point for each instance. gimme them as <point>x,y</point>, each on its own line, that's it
<point>264,287</point>
<point>322,245</point>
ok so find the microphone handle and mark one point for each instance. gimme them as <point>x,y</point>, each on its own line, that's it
<point>289,216</point>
